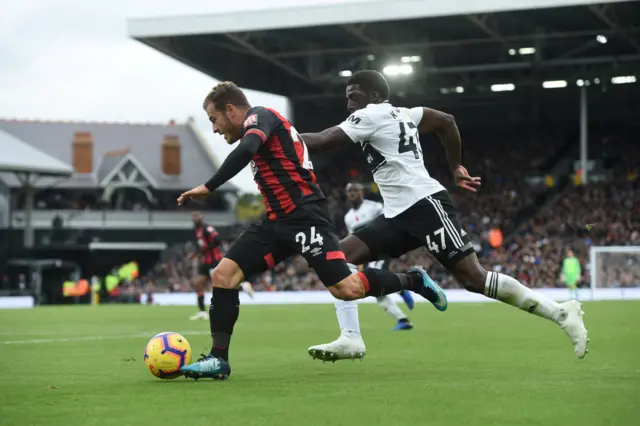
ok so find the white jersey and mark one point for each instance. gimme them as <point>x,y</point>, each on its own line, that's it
<point>357,218</point>
<point>388,137</point>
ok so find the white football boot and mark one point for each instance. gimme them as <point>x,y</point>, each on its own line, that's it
<point>347,346</point>
<point>248,288</point>
<point>202,315</point>
<point>572,323</point>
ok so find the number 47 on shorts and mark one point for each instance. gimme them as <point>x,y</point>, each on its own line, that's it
<point>314,238</point>
<point>433,245</point>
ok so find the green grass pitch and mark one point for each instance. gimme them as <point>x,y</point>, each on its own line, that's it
<point>476,364</point>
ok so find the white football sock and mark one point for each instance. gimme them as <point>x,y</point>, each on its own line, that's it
<point>391,307</point>
<point>347,313</point>
<point>509,290</point>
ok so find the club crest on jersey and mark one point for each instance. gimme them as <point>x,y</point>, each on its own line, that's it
<point>252,119</point>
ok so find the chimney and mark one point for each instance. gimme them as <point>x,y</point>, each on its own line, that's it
<point>171,163</point>
<point>82,151</point>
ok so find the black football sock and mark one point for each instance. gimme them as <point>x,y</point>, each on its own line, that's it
<point>413,282</point>
<point>380,283</point>
<point>201,302</point>
<point>223,314</point>
<point>376,282</point>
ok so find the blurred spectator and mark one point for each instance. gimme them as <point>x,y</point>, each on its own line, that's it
<point>533,253</point>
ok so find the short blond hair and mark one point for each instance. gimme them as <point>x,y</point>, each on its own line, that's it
<point>225,93</point>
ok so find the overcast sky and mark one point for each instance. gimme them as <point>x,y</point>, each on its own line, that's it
<point>72,60</point>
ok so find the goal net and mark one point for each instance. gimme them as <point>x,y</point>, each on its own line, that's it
<point>614,267</point>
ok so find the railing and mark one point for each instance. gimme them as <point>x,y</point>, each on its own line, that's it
<point>114,219</point>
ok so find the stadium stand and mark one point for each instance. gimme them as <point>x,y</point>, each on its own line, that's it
<point>523,141</point>
<point>533,252</point>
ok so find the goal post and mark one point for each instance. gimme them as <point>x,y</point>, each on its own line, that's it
<point>613,267</point>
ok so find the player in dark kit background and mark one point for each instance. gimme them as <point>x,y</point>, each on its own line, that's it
<point>209,254</point>
<point>297,222</point>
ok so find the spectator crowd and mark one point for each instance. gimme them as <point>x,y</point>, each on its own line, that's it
<point>574,216</point>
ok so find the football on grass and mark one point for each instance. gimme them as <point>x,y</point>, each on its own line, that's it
<point>166,353</point>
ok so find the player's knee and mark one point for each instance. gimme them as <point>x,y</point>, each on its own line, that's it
<point>350,255</point>
<point>355,250</point>
<point>226,275</point>
<point>220,278</point>
<point>348,289</point>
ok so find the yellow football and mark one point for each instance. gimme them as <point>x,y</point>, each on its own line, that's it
<point>166,353</point>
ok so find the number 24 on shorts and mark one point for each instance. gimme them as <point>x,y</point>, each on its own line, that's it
<point>301,238</point>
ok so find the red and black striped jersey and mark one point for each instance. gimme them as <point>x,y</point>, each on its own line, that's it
<point>209,243</point>
<point>281,167</point>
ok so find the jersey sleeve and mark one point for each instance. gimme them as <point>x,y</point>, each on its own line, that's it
<point>261,122</point>
<point>359,126</point>
<point>347,223</point>
<point>349,226</point>
<point>416,114</point>
<point>212,236</point>
<point>379,208</point>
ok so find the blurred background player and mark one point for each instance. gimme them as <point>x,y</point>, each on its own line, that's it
<point>362,212</point>
<point>350,344</point>
<point>571,273</point>
<point>210,255</point>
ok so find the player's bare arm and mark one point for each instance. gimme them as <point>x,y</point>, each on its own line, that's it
<point>326,139</point>
<point>445,127</point>
<point>232,165</point>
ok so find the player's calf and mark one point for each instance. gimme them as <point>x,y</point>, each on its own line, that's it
<point>470,274</point>
<point>375,282</point>
<point>225,306</point>
<point>349,288</point>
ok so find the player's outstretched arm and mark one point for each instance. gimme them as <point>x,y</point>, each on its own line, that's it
<point>326,139</point>
<point>445,127</point>
<point>237,160</point>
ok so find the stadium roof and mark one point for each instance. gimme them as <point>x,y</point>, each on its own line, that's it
<point>301,52</point>
<point>20,157</point>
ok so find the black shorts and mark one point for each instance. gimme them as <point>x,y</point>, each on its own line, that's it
<point>431,222</point>
<point>308,231</point>
<point>206,269</point>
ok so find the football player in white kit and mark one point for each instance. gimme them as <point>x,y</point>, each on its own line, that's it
<point>417,208</point>
<point>362,212</point>
<point>350,344</point>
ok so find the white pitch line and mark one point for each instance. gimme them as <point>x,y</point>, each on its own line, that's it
<point>88,338</point>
